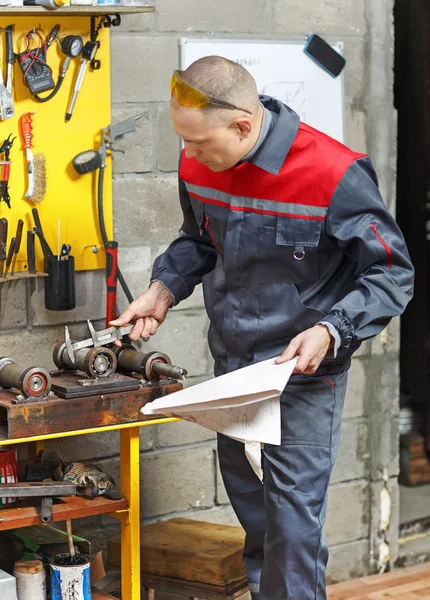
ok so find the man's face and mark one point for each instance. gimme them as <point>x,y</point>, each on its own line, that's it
<point>217,144</point>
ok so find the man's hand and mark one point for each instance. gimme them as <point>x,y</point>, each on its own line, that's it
<point>310,346</point>
<point>148,311</point>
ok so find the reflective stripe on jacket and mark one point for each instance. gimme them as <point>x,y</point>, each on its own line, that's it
<point>296,236</point>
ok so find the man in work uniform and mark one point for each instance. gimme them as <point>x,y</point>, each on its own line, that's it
<point>299,257</point>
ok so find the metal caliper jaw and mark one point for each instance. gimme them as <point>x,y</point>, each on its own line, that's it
<point>98,338</point>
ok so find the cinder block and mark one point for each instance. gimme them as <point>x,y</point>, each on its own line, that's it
<point>196,298</point>
<point>355,72</point>
<point>222,15</point>
<point>221,494</point>
<point>13,305</point>
<point>90,300</point>
<point>381,128</point>
<point>348,512</point>
<point>183,337</point>
<point>86,447</point>
<point>356,390</point>
<point>388,341</point>
<point>146,209</point>
<point>355,131</point>
<point>136,22</point>
<point>97,445</point>
<point>138,147</point>
<point>378,516</point>
<point>141,67</point>
<point>135,265</point>
<point>181,432</point>
<point>168,142</point>
<point>325,17</point>
<point>177,481</point>
<point>348,561</point>
<point>223,515</point>
<point>353,458</point>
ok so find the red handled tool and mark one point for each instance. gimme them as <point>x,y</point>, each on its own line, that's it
<point>111,280</point>
<point>4,183</point>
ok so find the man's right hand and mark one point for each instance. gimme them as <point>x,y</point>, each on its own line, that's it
<point>148,312</point>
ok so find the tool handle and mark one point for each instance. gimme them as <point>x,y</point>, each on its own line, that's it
<point>18,236</point>
<point>111,280</point>
<point>10,52</point>
<point>3,238</point>
<point>10,253</point>
<point>36,218</point>
<point>31,257</point>
<point>45,246</point>
<point>6,172</point>
<point>127,126</point>
<point>27,130</point>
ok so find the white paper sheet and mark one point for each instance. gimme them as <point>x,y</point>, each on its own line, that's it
<point>244,404</point>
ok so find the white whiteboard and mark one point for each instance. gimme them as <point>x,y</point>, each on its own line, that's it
<point>282,70</point>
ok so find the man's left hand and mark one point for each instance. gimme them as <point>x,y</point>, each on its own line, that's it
<point>310,346</point>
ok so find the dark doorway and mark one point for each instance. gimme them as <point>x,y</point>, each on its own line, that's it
<point>412,101</point>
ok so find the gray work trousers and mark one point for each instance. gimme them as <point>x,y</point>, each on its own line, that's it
<point>285,550</point>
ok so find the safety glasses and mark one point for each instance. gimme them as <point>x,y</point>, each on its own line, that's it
<point>191,97</point>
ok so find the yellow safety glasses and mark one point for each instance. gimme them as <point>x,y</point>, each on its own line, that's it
<point>191,97</point>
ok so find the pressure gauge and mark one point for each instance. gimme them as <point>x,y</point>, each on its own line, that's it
<point>72,45</point>
<point>89,51</point>
<point>87,161</point>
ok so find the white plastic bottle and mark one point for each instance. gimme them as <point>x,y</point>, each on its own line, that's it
<point>30,579</point>
<point>7,586</point>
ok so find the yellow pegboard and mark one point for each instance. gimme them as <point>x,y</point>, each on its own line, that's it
<point>69,197</point>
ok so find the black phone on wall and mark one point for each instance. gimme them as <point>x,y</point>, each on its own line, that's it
<point>324,55</point>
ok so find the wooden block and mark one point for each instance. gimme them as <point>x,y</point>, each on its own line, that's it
<point>191,550</point>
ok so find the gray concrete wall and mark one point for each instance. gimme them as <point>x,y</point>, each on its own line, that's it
<point>179,472</point>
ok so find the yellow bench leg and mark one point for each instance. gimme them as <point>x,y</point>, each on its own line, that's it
<point>130,529</point>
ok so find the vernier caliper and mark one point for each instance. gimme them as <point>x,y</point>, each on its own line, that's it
<point>6,99</point>
<point>98,338</point>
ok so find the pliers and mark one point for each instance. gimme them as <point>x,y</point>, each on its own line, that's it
<point>4,182</point>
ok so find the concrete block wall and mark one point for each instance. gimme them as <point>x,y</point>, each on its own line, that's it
<point>179,470</point>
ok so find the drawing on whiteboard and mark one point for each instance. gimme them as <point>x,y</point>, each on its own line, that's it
<point>291,93</point>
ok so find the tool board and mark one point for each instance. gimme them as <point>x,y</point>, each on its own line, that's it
<point>70,197</point>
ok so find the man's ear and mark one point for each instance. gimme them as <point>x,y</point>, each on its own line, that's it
<point>243,126</point>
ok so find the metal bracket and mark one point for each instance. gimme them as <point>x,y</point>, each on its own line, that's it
<point>105,21</point>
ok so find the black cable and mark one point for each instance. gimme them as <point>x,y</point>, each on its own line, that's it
<point>52,94</point>
<point>104,233</point>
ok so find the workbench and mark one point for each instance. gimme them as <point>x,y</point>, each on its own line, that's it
<point>126,510</point>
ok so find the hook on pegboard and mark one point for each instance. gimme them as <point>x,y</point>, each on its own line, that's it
<point>105,21</point>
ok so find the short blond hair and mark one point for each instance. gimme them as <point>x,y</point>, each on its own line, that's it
<point>224,80</point>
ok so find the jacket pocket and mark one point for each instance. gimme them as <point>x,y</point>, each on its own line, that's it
<point>288,253</point>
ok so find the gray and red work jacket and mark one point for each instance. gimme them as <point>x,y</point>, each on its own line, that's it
<point>296,236</point>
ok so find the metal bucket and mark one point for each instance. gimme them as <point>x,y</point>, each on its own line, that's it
<point>70,577</point>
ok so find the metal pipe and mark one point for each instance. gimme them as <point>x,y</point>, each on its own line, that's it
<point>32,382</point>
<point>95,362</point>
<point>153,366</point>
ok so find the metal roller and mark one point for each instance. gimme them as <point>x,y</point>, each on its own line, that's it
<point>153,366</point>
<point>95,362</point>
<point>32,382</point>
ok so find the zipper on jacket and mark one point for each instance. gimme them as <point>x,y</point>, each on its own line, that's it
<point>386,246</point>
<point>209,229</point>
